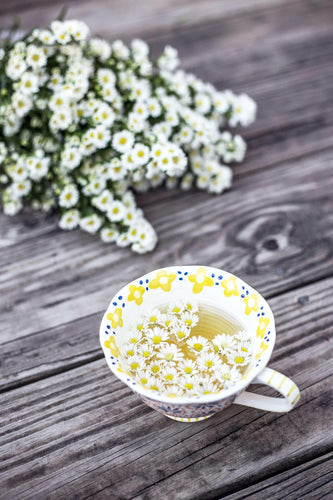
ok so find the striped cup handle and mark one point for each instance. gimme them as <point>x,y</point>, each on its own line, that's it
<point>280,383</point>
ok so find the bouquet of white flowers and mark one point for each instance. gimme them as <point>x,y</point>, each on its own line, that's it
<point>83,122</point>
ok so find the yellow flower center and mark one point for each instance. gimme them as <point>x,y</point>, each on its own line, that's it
<point>169,377</point>
<point>239,359</point>
<point>155,369</point>
<point>157,339</point>
<point>169,357</point>
<point>197,346</point>
<point>188,370</point>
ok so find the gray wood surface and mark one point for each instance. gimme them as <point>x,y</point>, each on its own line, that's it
<point>68,428</point>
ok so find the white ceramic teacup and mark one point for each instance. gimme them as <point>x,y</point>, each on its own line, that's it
<point>209,287</point>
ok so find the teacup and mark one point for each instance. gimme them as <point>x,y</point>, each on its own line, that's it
<point>211,287</point>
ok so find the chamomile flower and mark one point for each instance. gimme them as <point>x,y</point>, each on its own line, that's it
<point>153,317</point>
<point>123,141</point>
<point>190,384</point>
<point>21,188</point>
<point>46,37</point>
<point>174,391</point>
<point>100,48</point>
<point>245,346</point>
<point>70,158</point>
<point>166,320</point>
<point>91,223</point>
<point>136,363</point>
<point>154,108</point>
<point>19,171</point>
<point>169,374</point>
<point>187,367</point>
<point>12,207</point>
<point>155,384</point>
<point>38,168</point>
<point>35,57</point>
<point>191,306</point>
<point>207,387</point>
<point>208,361</point>
<point>197,344</point>
<point>224,343</point>
<point>109,234</point>
<point>69,196</point>
<point>106,77</point>
<point>143,376</point>
<point>176,307</point>
<point>129,350</point>
<point>135,336</point>
<point>228,375</point>
<point>155,367</point>
<point>103,201</point>
<point>22,103</point>
<point>189,319</point>
<point>238,357</point>
<point>145,350</point>
<point>116,211</point>
<point>157,335</point>
<point>180,330</point>
<point>140,154</point>
<point>120,50</point>
<point>169,353</point>
<point>29,83</point>
<point>243,110</point>
<point>69,220</point>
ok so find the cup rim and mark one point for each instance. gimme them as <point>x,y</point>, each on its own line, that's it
<point>205,398</point>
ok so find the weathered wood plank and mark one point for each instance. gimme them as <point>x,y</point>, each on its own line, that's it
<point>82,432</point>
<point>313,479</point>
<point>125,16</point>
<point>44,353</point>
<point>274,229</point>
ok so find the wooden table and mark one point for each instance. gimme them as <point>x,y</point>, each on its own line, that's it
<point>69,428</point>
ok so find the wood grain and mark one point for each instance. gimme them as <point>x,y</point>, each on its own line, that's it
<point>314,479</point>
<point>68,428</point>
<point>252,231</point>
<point>46,353</point>
<point>85,431</point>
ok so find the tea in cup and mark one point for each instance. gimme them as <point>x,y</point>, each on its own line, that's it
<point>189,340</point>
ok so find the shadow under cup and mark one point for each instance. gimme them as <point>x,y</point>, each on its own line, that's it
<point>220,295</point>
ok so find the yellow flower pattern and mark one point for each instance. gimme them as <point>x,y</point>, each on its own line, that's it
<point>262,327</point>
<point>111,344</point>
<point>230,287</point>
<point>262,349</point>
<point>251,303</point>
<point>116,318</point>
<point>200,279</point>
<point>163,280</point>
<point>136,294</point>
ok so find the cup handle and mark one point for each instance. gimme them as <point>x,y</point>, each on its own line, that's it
<point>280,383</point>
